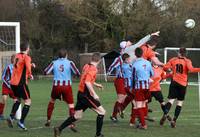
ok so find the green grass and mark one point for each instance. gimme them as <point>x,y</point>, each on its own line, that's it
<point>187,125</point>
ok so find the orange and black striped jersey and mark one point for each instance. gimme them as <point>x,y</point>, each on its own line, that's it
<point>21,69</point>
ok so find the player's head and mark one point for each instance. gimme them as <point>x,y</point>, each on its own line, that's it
<point>126,58</point>
<point>129,40</point>
<point>96,57</point>
<point>12,58</point>
<point>122,46</point>
<point>153,41</point>
<point>138,52</point>
<point>182,51</point>
<point>24,47</point>
<point>62,53</point>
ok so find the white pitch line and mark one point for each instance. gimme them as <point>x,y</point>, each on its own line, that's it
<point>35,128</point>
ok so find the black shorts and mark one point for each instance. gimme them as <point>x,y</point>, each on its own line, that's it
<point>85,100</point>
<point>21,91</point>
<point>158,96</point>
<point>176,91</point>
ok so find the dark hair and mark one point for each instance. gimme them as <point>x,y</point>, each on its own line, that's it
<point>24,46</point>
<point>138,52</point>
<point>183,51</point>
<point>62,53</point>
<point>153,40</point>
<point>12,58</point>
<point>125,56</point>
<point>129,38</point>
<point>96,57</point>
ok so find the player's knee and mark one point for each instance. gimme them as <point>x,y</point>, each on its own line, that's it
<point>52,100</point>
<point>71,105</point>
<point>171,101</point>
<point>27,102</point>
<point>179,103</point>
<point>78,115</point>
<point>102,111</point>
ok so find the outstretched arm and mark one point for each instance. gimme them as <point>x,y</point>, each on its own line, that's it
<point>191,68</point>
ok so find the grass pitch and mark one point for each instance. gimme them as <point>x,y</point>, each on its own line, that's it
<point>187,125</point>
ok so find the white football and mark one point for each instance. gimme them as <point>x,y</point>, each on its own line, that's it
<point>189,23</point>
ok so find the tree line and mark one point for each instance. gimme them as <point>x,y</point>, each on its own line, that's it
<point>99,25</point>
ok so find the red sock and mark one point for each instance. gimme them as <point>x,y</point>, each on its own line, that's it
<point>134,114</point>
<point>71,111</point>
<point>141,116</point>
<point>127,100</point>
<point>1,108</point>
<point>50,110</point>
<point>115,110</point>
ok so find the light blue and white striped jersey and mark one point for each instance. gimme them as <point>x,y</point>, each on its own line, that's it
<point>142,71</point>
<point>6,75</point>
<point>62,69</point>
<point>127,74</point>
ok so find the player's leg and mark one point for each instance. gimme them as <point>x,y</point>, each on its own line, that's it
<point>171,98</point>
<point>50,109</point>
<point>55,94</point>
<point>27,102</point>
<point>2,106</point>
<point>140,103</point>
<point>120,90</point>
<point>5,92</point>
<point>67,95</point>
<point>134,114</point>
<point>159,97</point>
<point>120,100</point>
<point>17,93</point>
<point>68,98</point>
<point>81,105</point>
<point>99,121</point>
<point>180,98</point>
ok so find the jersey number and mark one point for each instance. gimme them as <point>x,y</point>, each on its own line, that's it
<point>61,68</point>
<point>179,68</point>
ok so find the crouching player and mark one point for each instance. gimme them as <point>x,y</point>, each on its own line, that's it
<point>180,67</point>
<point>62,69</point>
<point>6,89</point>
<point>142,71</point>
<point>87,98</point>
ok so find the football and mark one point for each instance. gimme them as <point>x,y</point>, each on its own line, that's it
<point>190,23</point>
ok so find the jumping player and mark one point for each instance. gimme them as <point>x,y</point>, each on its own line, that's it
<point>180,67</point>
<point>19,80</point>
<point>62,69</point>
<point>142,71</point>
<point>87,98</point>
<point>6,89</point>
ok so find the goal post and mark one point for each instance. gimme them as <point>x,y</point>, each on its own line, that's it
<point>17,33</point>
<point>9,42</point>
